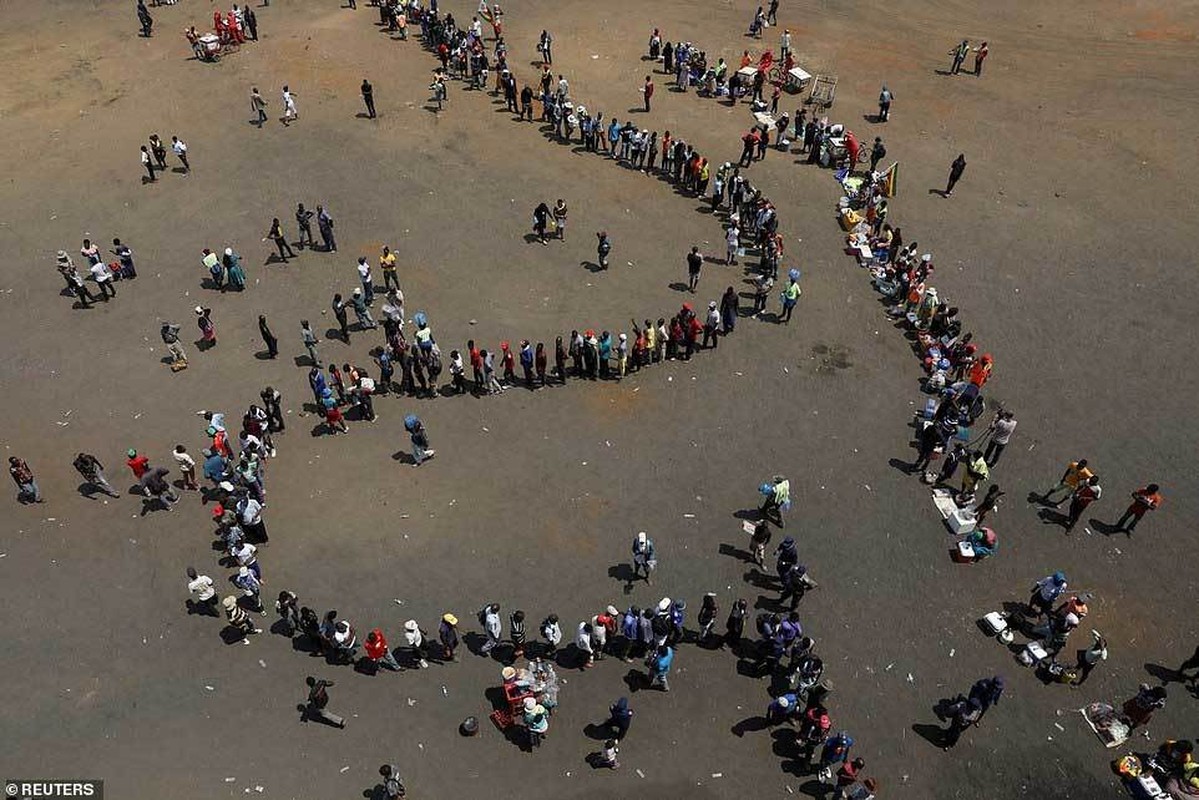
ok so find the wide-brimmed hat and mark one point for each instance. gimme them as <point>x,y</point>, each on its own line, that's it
<point>411,625</point>
<point>450,618</point>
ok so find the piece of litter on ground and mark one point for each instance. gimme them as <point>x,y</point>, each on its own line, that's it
<point>230,780</point>
<point>910,678</point>
<point>717,774</point>
<point>888,669</point>
<point>411,702</point>
<point>867,487</point>
<point>398,601</point>
<point>789,790</point>
<point>1059,727</point>
<point>584,463</point>
<point>420,745</point>
<point>210,688</point>
<point>259,789</point>
<point>262,663</point>
<point>951,652</point>
<point>786,370</point>
<point>486,429</point>
<point>640,774</point>
<point>593,55</point>
<point>344,769</point>
<point>688,516</point>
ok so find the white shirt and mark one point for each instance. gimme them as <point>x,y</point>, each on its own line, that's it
<point>289,101</point>
<point>492,623</point>
<point>583,638</point>
<point>413,638</point>
<point>202,587</point>
<point>553,633</point>
<point>245,554</point>
<point>145,157</point>
<point>733,237</point>
<point>787,41</point>
<point>1003,430</point>
<point>179,147</point>
<point>364,271</point>
<point>101,272</point>
<point>252,512</point>
<point>184,460</point>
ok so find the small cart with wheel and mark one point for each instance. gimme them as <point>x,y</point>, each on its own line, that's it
<point>824,91</point>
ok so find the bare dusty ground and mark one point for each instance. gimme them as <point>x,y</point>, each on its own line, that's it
<point>1068,246</point>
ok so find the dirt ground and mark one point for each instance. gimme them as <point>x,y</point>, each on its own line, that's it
<point>1068,246</point>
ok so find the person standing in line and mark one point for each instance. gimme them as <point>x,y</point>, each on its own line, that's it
<point>1083,496</point>
<point>368,97</point>
<point>885,97</point>
<point>148,164</point>
<point>1001,429</point>
<point>551,631</point>
<point>648,91</point>
<point>318,700</point>
<point>447,634</point>
<point>268,338</point>
<point>22,476</point>
<point>93,472</point>
<point>251,586</point>
<point>252,22</point>
<point>325,223</point>
<point>289,107</point>
<point>239,619</point>
<point>275,234</point>
<point>1147,498</point>
<point>257,107</point>
<point>732,241</point>
<point>790,297</point>
<point>205,594</point>
<point>490,618</point>
<point>180,148</point>
<point>287,606</point>
<point>379,653</point>
<point>955,173</point>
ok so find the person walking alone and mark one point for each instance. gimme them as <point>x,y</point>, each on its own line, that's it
<point>318,700</point>
<point>955,173</point>
<point>368,97</point>
<point>647,90</point>
<point>275,234</point>
<point>257,107</point>
<point>1001,429</point>
<point>22,476</point>
<point>268,338</point>
<point>695,262</point>
<point>1145,499</point>
<point>93,472</point>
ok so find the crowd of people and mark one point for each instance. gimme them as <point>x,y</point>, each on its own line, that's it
<point>234,480</point>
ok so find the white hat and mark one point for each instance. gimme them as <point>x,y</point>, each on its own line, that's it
<point>664,604</point>
<point>784,702</point>
<point>711,304</point>
<point>641,537</point>
<point>926,257</point>
<point>411,625</point>
<point>624,336</point>
<point>244,571</point>
<point>228,251</point>
<point>357,290</point>
<point>200,310</point>
<point>612,612</point>
<point>530,703</point>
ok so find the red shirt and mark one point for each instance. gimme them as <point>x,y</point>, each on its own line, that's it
<point>139,465</point>
<point>1143,500</point>
<point>375,650</point>
<point>649,89</point>
<point>476,358</point>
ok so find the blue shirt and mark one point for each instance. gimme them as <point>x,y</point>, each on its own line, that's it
<point>215,467</point>
<point>662,663</point>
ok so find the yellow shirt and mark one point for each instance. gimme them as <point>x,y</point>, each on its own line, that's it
<point>1076,476</point>
<point>388,262</point>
